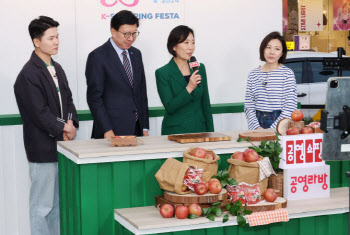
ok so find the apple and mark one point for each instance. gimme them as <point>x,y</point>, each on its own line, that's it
<point>270,195</point>
<point>215,187</point>
<point>195,209</point>
<point>297,115</point>
<point>167,210</point>
<point>293,131</point>
<point>200,188</point>
<point>238,155</point>
<point>251,156</point>
<point>209,156</point>
<point>199,152</point>
<point>306,130</point>
<point>206,184</point>
<point>250,150</point>
<point>181,212</point>
<point>117,137</point>
<point>183,187</point>
<point>214,179</point>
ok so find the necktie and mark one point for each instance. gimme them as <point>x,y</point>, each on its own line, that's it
<point>127,68</point>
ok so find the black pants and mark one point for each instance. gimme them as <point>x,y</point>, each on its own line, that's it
<point>138,131</point>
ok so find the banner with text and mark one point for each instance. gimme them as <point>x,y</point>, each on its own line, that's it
<point>310,15</point>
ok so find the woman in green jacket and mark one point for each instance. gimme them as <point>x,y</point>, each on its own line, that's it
<point>186,103</point>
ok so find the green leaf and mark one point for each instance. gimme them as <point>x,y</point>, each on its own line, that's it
<point>258,150</point>
<point>225,174</point>
<point>247,212</point>
<point>227,207</point>
<point>211,217</point>
<point>241,221</point>
<point>216,204</point>
<point>206,211</point>
<point>216,211</point>
<point>238,203</point>
<point>271,144</point>
<point>263,143</point>
<point>192,216</point>
<point>225,218</point>
<point>247,139</point>
<point>223,183</point>
<point>240,140</point>
<point>231,181</point>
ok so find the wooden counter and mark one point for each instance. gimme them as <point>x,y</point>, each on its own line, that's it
<point>147,220</point>
<point>156,147</point>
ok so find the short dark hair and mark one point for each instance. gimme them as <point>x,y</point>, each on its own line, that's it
<point>176,36</point>
<point>124,17</point>
<point>38,26</point>
<point>267,39</point>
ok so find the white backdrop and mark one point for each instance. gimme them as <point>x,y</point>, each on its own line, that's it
<point>228,34</point>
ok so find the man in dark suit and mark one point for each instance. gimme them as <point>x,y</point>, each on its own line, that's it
<point>48,113</point>
<point>116,83</point>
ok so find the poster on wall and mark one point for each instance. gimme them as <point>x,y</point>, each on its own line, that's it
<point>341,14</point>
<point>310,15</point>
<point>285,16</point>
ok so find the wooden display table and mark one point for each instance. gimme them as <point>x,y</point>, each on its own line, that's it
<point>147,220</point>
<point>95,179</point>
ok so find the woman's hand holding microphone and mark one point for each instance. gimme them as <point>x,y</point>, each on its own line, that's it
<point>195,79</point>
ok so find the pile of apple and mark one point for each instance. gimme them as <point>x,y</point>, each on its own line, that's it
<point>249,155</point>
<point>295,126</point>
<point>181,212</point>
<point>202,153</point>
<point>213,186</point>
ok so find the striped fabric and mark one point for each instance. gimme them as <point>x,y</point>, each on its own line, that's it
<point>269,91</point>
<point>127,67</point>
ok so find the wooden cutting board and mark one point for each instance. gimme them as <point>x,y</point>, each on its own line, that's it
<point>160,200</point>
<point>199,137</point>
<point>264,206</point>
<point>194,198</point>
<point>268,206</point>
<point>258,136</point>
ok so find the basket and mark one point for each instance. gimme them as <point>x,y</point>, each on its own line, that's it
<point>276,183</point>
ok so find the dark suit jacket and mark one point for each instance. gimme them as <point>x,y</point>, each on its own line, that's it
<point>39,106</point>
<point>185,113</point>
<point>112,100</point>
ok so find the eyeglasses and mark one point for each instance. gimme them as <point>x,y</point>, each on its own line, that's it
<point>127,35</point>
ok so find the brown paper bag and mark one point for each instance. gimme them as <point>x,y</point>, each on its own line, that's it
<point>247,172</point>
<point>210,167</point>
<point>171,175</point>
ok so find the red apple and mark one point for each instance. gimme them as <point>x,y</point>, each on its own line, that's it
<point>195,209</point>
<point>209,156</point>
<point>183,187</point>
<point>250,150</point>
<point>181,212</point>
<point>215,187</point>
<point>306,130</point>
<point>214,179</point>
<point>238,155</point>
<point>293,131</point>
<point>200,188</point>
<point>270,195</point>
<point>297,115</point>
<point>199,152</point>
<point>206,184</point>
<point>251,156</point>
<point>167,210</point>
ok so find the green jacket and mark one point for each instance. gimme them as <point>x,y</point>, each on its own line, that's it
<point>184,113</point>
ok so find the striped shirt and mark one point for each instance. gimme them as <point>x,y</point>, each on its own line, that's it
<point>269,91</point>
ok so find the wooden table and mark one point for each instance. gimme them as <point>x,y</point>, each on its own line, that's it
<point>147,220</point>
<point>95,179</point>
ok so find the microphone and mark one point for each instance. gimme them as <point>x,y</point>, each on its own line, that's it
<point>194,64</point>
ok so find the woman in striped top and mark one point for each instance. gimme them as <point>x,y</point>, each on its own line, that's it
<point>271,88</point>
